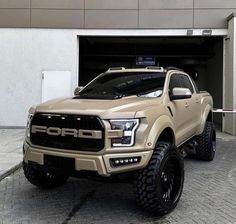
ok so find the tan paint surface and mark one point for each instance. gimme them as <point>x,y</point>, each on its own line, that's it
<point>186,122</point>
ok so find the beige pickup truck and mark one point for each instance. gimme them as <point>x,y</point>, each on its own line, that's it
<point>137,122</point>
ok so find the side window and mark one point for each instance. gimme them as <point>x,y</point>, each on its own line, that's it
<point>175,81</point>
<point>186,83</point>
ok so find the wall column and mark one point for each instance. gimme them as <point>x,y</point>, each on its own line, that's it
<point>229,94</point>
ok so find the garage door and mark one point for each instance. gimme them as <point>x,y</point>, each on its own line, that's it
<point>196,55</point>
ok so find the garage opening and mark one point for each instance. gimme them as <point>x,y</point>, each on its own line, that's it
<point>201,57</point>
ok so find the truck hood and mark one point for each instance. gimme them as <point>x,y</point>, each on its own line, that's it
<point>125,107</point>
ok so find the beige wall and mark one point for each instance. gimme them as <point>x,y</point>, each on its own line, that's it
<point>116,13</point>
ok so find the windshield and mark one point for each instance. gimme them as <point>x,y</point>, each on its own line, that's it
<point>121,84</point>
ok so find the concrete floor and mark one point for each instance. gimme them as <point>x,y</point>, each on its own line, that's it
<point>208,197</point>
<point>11,142</point>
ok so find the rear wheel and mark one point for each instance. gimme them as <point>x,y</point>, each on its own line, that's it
<point>206,143</point>
<point>43,179</point>
<point>158,187</point>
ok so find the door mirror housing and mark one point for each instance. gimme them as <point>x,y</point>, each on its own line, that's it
<point>180,94</point>
<point>77,90</point>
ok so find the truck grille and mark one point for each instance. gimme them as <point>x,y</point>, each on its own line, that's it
<point>71,122</point>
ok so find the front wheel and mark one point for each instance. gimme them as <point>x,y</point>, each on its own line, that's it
<point>43,179</point>
<point>158,187</point>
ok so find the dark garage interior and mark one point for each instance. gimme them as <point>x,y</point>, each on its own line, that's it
<point>195,55</point>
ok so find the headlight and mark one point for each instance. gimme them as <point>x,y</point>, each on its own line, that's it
<point>30,116</point>
<point>128,127</point>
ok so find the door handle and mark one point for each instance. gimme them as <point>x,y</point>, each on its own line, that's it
<point>186,105</point>
<point>197,100</point>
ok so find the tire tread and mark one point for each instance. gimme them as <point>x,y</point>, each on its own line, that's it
<point>144,181</point>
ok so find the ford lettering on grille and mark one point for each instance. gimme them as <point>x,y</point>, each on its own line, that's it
<point>67,132</point>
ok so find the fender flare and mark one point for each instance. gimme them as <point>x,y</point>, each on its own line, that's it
<point>158,127</point>
<point>207,111</point>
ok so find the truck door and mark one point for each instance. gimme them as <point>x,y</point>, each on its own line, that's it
<point>185,111</point>
<point>194,104</point>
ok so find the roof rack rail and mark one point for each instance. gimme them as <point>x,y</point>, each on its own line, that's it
<point>173,68</point>
<point>155,68</point>
<point>116,68</point>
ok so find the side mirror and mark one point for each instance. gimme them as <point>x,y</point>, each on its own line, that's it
<point>180,94</point>
<point>77,90</point>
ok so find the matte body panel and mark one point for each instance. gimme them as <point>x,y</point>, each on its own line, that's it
<point>185,118</point>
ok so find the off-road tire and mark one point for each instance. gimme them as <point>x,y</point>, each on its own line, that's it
<point>43,179</point>
<point>206,143</point>
<point>151,182</point>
